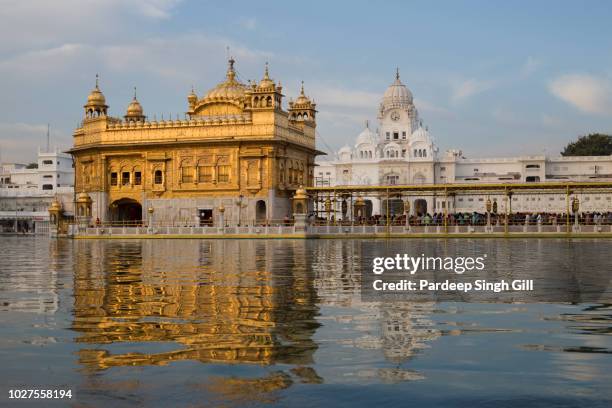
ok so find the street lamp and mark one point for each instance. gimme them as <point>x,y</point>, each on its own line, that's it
<point>575,209</point>
<point>239,204</point>
<point>150,210</point>
<point>407,212</point>
<point>328,208</point>
<point>221,210</point>
<point>489,206</point>
<point>359,206</point>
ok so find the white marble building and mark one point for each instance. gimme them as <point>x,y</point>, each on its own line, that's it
<point>401,151</point>
<point>25,194</point>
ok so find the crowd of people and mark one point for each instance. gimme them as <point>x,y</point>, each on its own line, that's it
<point>476,218</point>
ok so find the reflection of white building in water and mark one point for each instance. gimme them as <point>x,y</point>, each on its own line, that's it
<point>402,151</point>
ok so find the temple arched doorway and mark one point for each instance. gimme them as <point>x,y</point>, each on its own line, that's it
<point>126,210</point>
<point>260,211</point>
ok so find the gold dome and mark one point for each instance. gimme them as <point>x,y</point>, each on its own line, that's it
<point>266,82</point>
<point>302,99</point>
<point>83,198</point>
<point>96,97</point>
<point>230,89</point>
<point>55,205</point>
<point>300,193</point>
<point>134,109</point>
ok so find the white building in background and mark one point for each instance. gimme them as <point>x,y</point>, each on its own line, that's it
<point>402,151</point>
<point>26,193</point>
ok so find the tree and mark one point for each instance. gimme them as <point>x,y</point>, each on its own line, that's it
<point>594,144</point>
<point>32,166</point>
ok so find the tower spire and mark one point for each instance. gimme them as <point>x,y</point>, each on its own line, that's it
<point>231,74</point>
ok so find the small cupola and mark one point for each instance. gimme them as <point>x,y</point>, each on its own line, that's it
<point>96,103</point>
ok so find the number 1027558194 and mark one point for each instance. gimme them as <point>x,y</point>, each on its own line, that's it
<point>39,394</point>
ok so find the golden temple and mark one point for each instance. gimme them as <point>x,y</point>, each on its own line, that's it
<point>237,156</point>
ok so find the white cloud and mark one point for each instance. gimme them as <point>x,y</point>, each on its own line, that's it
<point>43,23</point>
<point>170,57</point>
<point>470,87</point>
<point>588,93</point>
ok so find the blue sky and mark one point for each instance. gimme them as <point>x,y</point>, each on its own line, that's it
<point>490,78</point>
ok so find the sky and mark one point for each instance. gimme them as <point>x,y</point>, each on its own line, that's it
<point>488,78</point>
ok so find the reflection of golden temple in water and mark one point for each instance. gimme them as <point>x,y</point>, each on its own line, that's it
<point>235,301</point>
<point>221,307</point>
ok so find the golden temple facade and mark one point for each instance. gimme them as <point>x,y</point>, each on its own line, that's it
<point>237,157</point>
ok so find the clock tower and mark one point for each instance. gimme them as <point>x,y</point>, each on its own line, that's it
<point>397,116</point>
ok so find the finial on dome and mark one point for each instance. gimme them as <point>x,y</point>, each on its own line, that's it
<point>367,123</point>
<point>397,76</point>
<point>302,90</point>
<point>421,123</point>
<point>266,76</point>
<point>192,98</point>
<point>134,93</point>
<point>231,74</point>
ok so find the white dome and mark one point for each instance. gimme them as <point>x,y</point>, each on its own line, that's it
<point>397,95</point>
<point>344,149</point>
<point>365,137</point>
<point>420,135</point>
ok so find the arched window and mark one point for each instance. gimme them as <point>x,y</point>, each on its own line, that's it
<point>205,172</point>
<point>415,152</point>
<point>158,177</point>
<point>187,171</point>
<point>113,178</point>
<point>137,176</point>
<point>223,173</point>
<point>361,155</point>
<point>269,102</point>
<point>424,153</point>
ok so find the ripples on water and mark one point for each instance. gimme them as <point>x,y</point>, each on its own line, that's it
<point>281,322</point>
